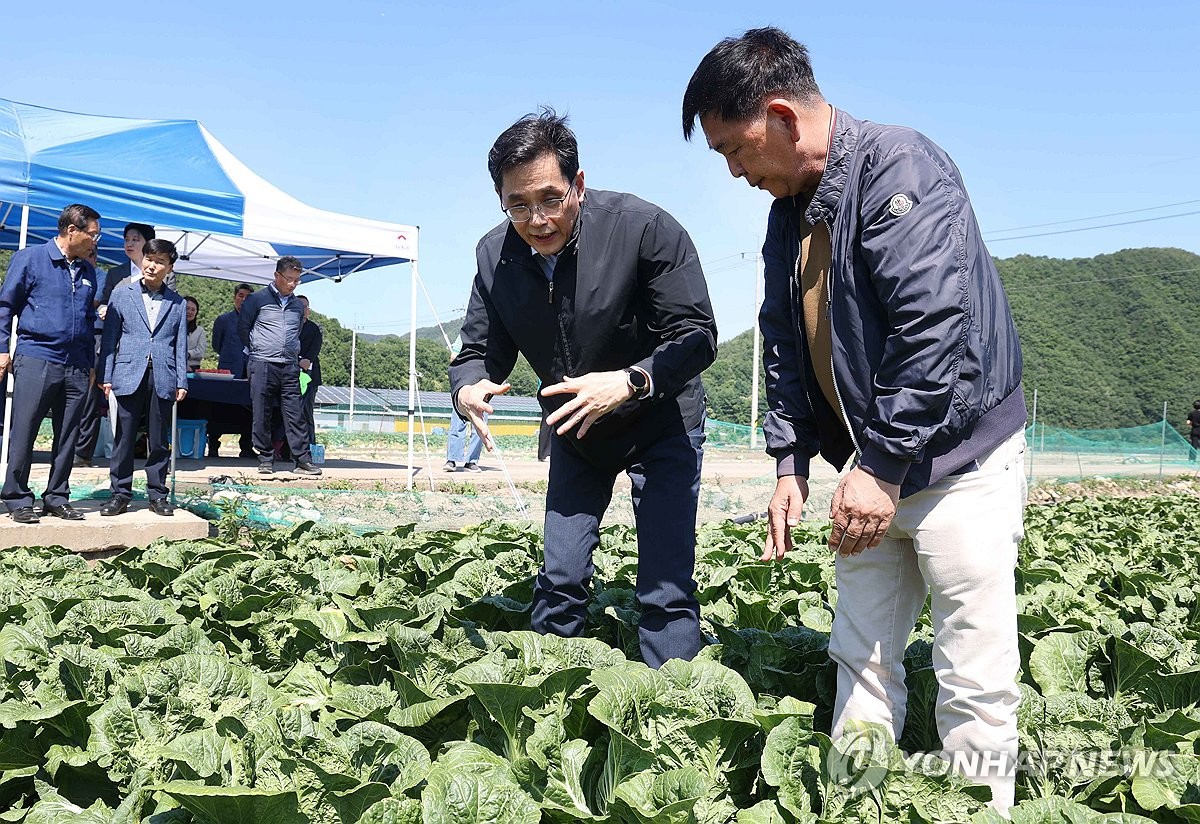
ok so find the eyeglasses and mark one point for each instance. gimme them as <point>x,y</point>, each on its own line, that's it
<point>95,236</point>
<point>550,207</point>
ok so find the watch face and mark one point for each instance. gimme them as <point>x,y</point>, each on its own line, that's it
<point>636,379</point>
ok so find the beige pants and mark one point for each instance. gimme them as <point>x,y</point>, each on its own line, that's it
<point>957,541</point>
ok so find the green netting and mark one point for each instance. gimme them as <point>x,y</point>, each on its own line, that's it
<point>722,433</point>
<point>1151,449</point>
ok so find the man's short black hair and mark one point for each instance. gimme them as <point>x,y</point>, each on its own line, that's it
<point>158,246</point>
<point>76,215</point>
<point>1195,404</point>
<point>740,73</point>
<point>531,137</point>
<point>287,263</point>
<point>143,229</point>
<point>241,286</point>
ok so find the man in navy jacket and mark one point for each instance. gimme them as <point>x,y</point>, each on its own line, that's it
<point>231,355</point>
<point>888,339</point>
<point>143,359</point>
<point>51,288</point>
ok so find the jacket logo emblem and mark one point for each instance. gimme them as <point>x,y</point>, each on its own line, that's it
<point>899,204</point>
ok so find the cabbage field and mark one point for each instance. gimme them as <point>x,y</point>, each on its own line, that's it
<point>310,676</point>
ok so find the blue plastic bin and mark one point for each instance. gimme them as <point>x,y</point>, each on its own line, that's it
<point>318,452</point>
<point>190,438</point>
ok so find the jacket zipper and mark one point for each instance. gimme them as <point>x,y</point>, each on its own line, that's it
<point>550,299</point>
<point>833,372</point>
<point>798,306</point>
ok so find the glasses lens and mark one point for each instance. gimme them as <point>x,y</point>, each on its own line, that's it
<point>518,214</point>
<point>552,207</point>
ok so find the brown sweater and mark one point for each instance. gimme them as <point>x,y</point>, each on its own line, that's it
<point>816,255</point>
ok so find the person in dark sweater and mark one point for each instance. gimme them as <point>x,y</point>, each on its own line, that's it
<point>231,355</point>
<point>311,338</point>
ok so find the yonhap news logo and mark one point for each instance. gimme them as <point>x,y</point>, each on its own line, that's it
<point>861,759</point>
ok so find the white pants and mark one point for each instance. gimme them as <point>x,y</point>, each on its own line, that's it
<point>956,540</point>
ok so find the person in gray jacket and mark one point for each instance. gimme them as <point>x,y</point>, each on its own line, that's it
<point>269,325</point>
<point>143,370</point>
<point>888,343</point>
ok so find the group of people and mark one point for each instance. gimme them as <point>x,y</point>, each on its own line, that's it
<point>889,344</point>
<point>131,340</point>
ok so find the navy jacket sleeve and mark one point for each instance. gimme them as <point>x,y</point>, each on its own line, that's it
<point>672,280</point>
<point>917,261</point>
<point>12,301</point>
<point>181,345</point>
<point>789,426</point>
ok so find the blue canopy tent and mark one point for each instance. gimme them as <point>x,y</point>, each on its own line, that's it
<point>172,174</point>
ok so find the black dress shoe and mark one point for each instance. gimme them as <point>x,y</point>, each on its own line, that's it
<point>66,512</point>
<point>81,462</point>
<point>307,468</point>
<point>115,506</point>
<point>161,506</point>
<point>25,515</point>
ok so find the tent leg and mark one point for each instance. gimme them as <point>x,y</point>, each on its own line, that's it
<point>174,447</point>
<point>9,380</point>
<point>412,371</point>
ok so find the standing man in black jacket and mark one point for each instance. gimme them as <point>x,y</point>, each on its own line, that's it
<point>604,295</point>
<point>311,338</point>
<point>269,325</point>
<point>888,341</point>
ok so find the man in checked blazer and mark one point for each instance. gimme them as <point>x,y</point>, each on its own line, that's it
<point>143,368</point>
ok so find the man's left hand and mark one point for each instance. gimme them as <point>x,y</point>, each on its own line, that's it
<point>180,394</point>
<point>862,510</point>
<point>596,394</point>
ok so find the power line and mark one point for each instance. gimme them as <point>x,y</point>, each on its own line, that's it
<point>1090,228</point>
<point>1093,217</point>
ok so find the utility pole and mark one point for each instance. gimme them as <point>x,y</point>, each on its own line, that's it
<point>353,355</point>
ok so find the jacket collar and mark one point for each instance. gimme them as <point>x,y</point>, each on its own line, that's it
<point>828,195</point>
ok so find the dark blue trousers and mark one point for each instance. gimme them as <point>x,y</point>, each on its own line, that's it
<point>42,388</point>
<point>278,380</point>
<point>666,488</point>
<point>131,410</point>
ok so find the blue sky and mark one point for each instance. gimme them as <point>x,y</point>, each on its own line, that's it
<point>1053,112</point>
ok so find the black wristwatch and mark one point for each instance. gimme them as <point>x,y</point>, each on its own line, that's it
<point>638,382</point>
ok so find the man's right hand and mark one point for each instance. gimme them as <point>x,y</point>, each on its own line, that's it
<point>473,404</point>
<point>5,362</point>
<point>783,513</point>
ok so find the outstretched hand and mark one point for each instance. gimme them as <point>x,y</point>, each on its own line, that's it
<point>596,394</point>
<point>783,513</point>
<point>473,403</point>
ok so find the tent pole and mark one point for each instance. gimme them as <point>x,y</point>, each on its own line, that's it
<point>9,381</point>
<point>412,370</point>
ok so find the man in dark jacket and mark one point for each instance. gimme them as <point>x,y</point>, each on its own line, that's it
<point>231,355</point>
<point>51,289</point>
<point>269,326</point>
<point>604,295</point>
<point>888,339</point>
<point>311,339</point>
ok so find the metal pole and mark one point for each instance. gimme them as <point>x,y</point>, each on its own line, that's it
<point>412,370</point>
<point>175,445</point>
<point>758,278</point>
<point>353,353</point>
<point>1031,446</point>
<point>9,380</point>
<point>1162,449</point>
